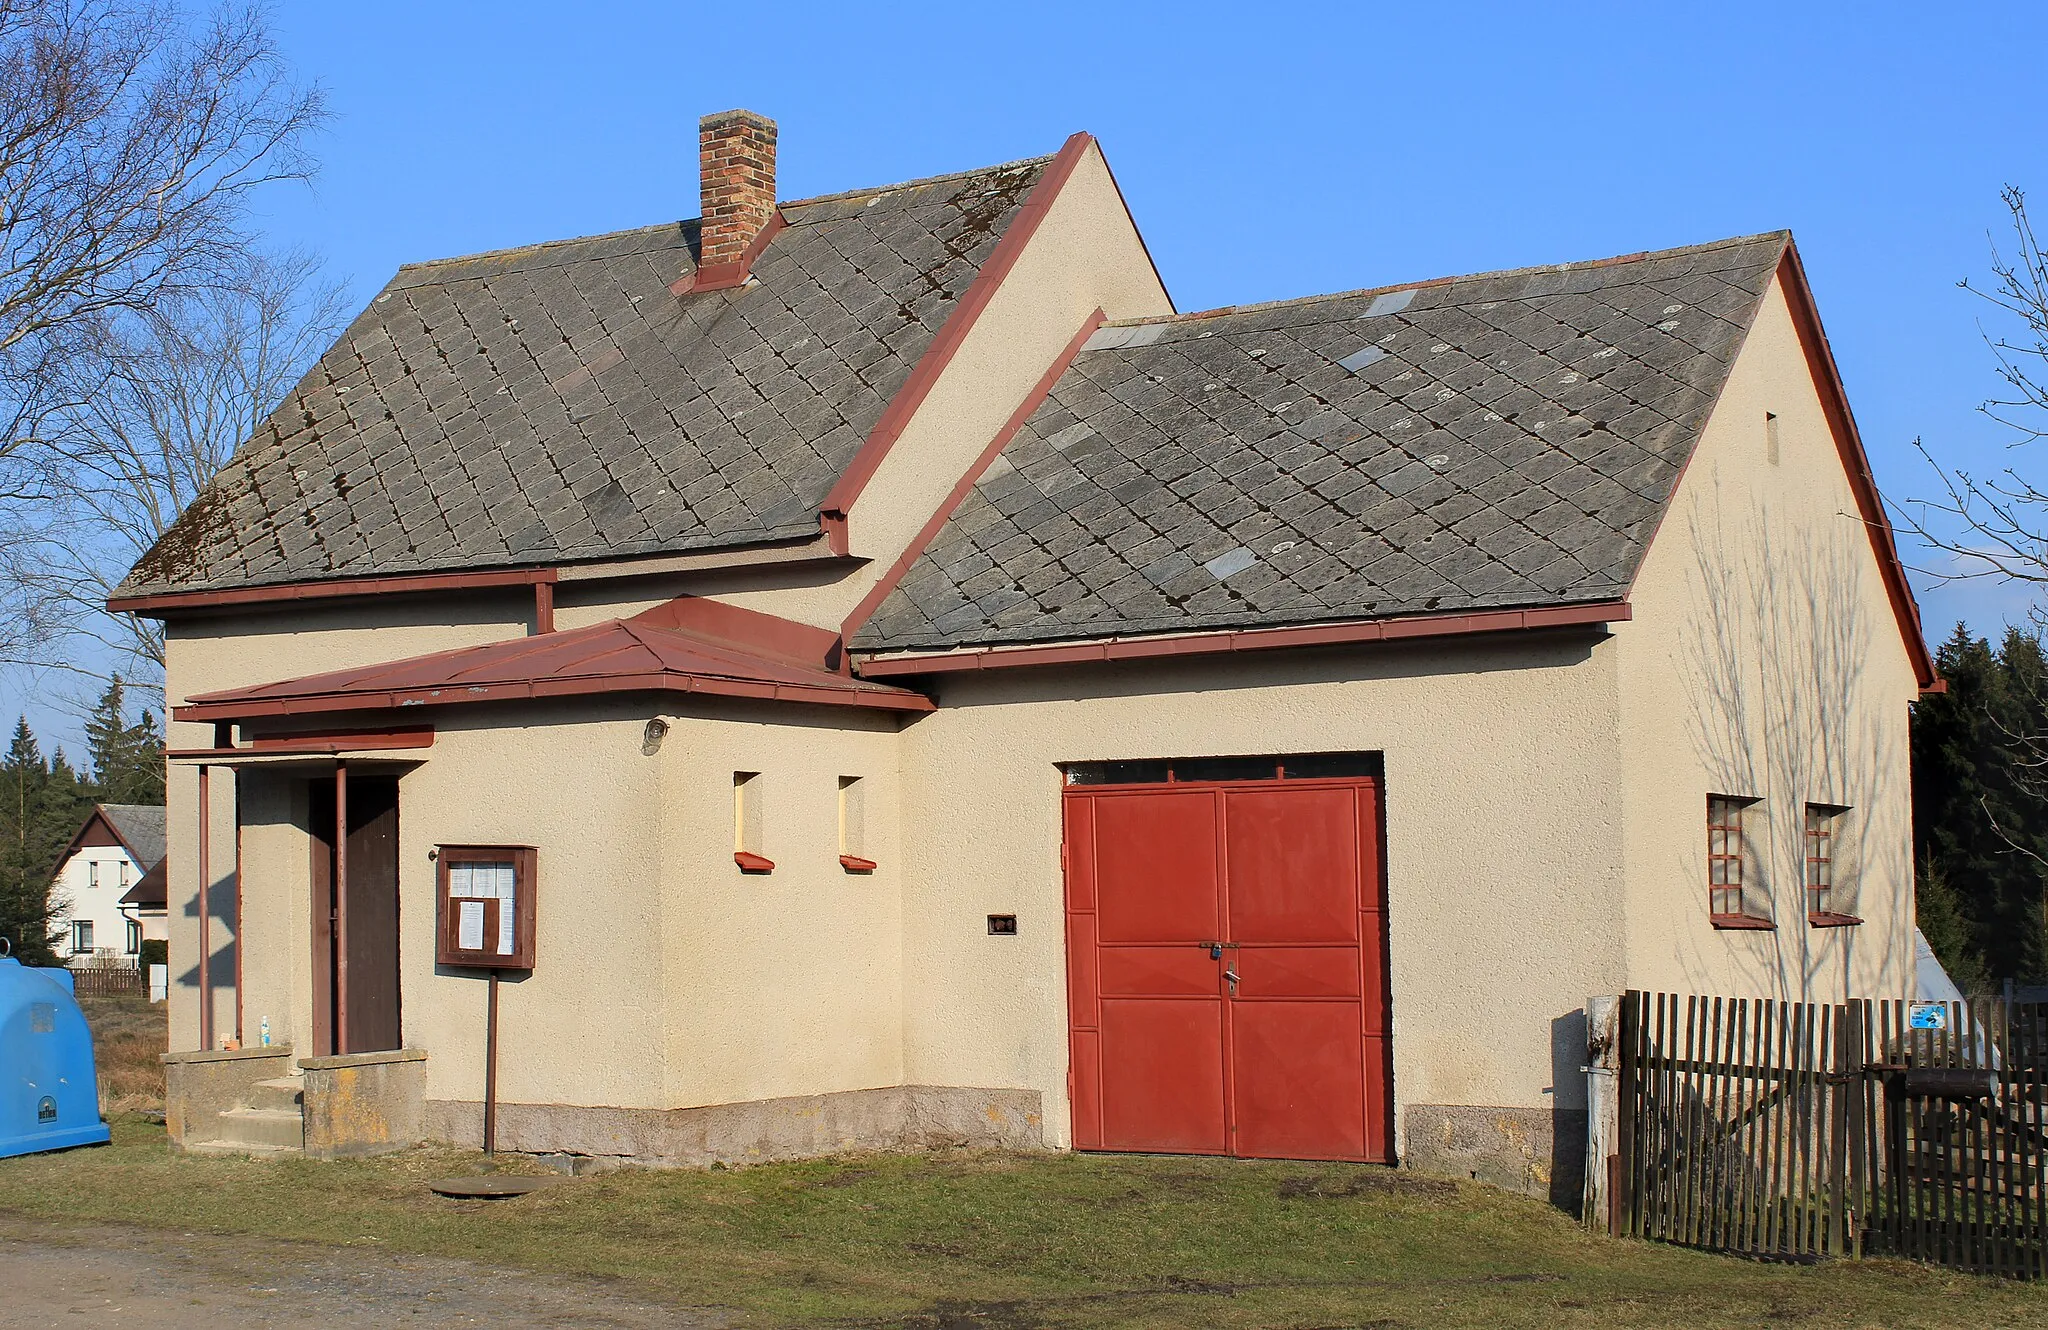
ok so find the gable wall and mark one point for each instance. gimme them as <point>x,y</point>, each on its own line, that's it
<point>1764,660</point>
<point>1085,255</point>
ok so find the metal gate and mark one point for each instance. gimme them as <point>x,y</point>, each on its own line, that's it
<point>1795,1131</point>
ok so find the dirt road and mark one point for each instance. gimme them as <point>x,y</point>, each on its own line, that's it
<point>106,1276</point>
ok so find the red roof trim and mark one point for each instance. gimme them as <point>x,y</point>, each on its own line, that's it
<point>1252,639</point>
<point>1834,400</point>
<point>911,552</point>
<point>329,744</point>
<point>896,416</point>
<point>687,647</point>
<point>330,589</point>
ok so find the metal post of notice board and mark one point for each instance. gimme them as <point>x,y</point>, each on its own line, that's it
<point>491,1070</point>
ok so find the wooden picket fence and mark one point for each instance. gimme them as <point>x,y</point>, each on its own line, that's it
<point>108,980</point>
<point>1796,1131</point>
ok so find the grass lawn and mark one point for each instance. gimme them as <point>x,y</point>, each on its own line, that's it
<point>1006,1241</point>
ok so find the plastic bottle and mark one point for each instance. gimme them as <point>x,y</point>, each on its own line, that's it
<point>266,1032</point>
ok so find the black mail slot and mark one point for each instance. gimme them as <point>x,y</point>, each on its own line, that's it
<point>1951,1082</point>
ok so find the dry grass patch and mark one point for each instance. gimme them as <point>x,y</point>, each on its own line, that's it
<point>128,1035</point>
<point>1006,1241</point>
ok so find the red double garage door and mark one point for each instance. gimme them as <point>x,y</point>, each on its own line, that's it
<point>1226,959</point>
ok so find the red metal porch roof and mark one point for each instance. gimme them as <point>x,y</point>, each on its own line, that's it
<point>650,652</point>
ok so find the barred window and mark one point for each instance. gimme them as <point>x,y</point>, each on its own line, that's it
<point>1828,888</point>
<point>1724,856</point>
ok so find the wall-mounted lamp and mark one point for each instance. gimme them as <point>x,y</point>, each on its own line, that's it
<point>651,737</point>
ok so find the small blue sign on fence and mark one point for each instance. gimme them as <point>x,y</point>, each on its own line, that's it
<point>1928,1016</point>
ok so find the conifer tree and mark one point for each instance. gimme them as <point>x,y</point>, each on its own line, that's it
<point>127,760</point>
<point>42,805</point>
<point>1980,811</point>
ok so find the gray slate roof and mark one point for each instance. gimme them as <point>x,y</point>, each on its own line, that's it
<point>1488,442</point>
<point>142,827</point>
<point>557,402</point>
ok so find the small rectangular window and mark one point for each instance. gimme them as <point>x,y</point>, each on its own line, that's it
<point>81,937</point>
<point>1732,900</point>
<point>853,826</point>
<point>747,850</point>
<point>134,937</point>
<point>92,872</point>
<point>1826,888</point>
<point>121,874</point>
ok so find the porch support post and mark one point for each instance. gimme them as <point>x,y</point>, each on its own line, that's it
<point>205,916</point>
<point>341,1044</point>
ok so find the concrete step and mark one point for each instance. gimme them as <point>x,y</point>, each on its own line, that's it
<point>238,1150</point>
<point>285,1093</point>
<point>272,1128</point>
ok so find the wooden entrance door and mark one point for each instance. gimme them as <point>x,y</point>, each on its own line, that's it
<point>1226,948</point>
<point>355,997</point>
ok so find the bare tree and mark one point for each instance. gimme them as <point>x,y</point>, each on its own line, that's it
<point>1996,526</point>
<point>131,136</point>
<point>178,391</point>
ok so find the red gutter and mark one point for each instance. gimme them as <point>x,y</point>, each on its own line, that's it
<point>911,553</point>
<point>896,416</point>
<point>1834,400</point>
<point>329,589</point>
<point>1253,639</point>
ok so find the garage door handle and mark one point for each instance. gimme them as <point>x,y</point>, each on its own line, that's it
<point>1231,975</point>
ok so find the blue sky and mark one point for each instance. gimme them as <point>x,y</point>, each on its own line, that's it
<point>1266,151</point>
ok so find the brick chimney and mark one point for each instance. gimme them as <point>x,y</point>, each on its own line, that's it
<point>736,151</point>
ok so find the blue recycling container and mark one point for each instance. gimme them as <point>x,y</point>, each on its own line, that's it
<point>49,1094</point>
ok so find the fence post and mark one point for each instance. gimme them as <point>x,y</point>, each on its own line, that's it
<point>1628,1092</point>
<point>1853,1036</point>
<point>1840,1059</point>
<point>1603,1057</point>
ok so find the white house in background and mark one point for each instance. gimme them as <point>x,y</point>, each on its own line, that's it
<point>103,890</point>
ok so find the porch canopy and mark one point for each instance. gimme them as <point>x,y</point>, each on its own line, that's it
<point>687,646</point>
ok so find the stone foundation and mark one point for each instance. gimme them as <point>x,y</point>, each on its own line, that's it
<point>1537,1151</point>
<point>904,1117</point>
<point>364,1103</point>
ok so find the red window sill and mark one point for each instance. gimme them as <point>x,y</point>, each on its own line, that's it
<point>853,863</point>
<point>1741,923</point>
<point>752,863</point>
<point>1826,919</point>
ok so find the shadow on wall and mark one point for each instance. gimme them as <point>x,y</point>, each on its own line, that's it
<point>225,960</point>
<point>1783,709</point>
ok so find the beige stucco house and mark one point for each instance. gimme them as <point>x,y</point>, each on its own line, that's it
<point>867,670</point>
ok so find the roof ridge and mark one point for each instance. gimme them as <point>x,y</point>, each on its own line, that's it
<point>678,225</point>
<point>504,250</point>
<point>1636,257</point>
<point>918,183</point>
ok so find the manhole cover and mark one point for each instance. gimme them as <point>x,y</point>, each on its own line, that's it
<point>492,1188</point>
